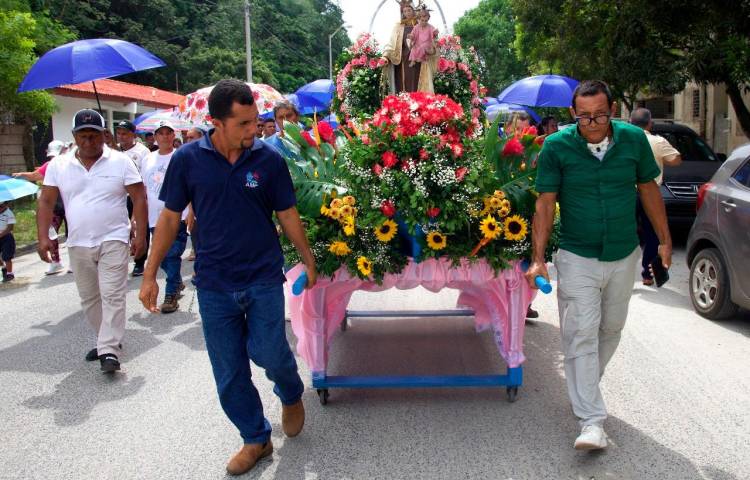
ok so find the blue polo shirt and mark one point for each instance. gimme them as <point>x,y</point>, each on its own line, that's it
<point>233,205</point>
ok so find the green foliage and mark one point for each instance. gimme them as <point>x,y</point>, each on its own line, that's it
<point>491,29</point>
<point>202,41</point>
<point>24,34</point>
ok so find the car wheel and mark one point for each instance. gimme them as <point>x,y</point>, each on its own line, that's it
<point>709,286</point>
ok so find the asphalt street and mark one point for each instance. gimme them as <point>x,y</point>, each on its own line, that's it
<point>678,393</point>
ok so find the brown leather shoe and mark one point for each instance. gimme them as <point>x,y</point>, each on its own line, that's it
<point>250,453</point>
<point>292,418</point>
<point>170,304</point>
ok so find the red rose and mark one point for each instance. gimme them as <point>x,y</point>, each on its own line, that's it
<point>388,208</point>
<point>377,169</point>
<point>461,173</point>
<point>512,147</point>
<point>433,212</point>
<point>390,159</point>
<point>310,141</point>
<point>326,131</point>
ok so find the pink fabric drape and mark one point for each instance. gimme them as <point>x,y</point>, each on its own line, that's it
<point>499,302</point>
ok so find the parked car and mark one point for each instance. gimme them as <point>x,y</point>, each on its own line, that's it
<point>681,183</point>
<point>718,247</point>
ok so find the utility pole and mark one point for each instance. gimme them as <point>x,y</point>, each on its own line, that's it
<point>248,44</point>
<point>330,50</point>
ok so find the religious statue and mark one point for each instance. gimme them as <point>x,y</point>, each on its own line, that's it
<point>403,75</point>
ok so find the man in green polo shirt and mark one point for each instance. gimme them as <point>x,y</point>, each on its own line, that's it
<point>592,170</point>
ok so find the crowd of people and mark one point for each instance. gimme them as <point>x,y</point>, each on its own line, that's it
<point>226,185</point>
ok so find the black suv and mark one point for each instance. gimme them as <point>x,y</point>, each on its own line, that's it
<point>681,184</point>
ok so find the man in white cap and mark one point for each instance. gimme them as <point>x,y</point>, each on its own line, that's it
<point>93,182</point>
<point>153,170</point>
<point>126,139</point>
<point>54,149</point>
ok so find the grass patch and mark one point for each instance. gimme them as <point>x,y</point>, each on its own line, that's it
<point>25,211</point>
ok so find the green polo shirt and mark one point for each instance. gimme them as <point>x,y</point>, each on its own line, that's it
<point>597,198</point>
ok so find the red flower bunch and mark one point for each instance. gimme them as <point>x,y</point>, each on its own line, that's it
<point>310,141</point>
<point>326,132</point>
<point>512,148</point>
<point>409,112</point>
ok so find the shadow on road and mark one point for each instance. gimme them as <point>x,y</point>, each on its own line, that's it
<point>458,433</point>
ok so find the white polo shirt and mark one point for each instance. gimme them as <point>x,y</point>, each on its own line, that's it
<point>95,199</point>
<point>137,153</point>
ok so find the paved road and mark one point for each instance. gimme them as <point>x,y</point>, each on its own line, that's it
<point>678,391</point>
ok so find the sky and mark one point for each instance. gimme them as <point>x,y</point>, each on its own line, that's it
<point>358,15</point>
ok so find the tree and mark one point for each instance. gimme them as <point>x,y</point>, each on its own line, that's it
<point>621,43</point>
<point>491,29</point>
<point>202,41</point>
<point>24,34</point>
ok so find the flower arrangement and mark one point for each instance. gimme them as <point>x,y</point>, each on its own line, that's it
<point>359,85</point>
<point>417,181</point>
<point>458,75</point>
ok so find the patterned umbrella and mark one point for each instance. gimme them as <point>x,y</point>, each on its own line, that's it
<point>194,108</point>
<point>14,188</point>
<point>149,123</point>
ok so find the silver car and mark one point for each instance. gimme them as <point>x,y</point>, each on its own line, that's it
<point>718,247</point>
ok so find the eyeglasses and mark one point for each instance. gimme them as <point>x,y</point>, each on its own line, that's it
<point>597,119</point>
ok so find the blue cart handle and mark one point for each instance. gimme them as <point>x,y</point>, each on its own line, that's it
<point>299,285</point>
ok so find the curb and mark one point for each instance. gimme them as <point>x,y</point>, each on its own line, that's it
<point>31,247</point>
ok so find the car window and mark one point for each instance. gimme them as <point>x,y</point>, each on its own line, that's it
<point>742,175</point>
<point>692,149</point>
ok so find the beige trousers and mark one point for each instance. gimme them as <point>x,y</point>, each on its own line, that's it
<point>101,275</point>
<point>593,299</point>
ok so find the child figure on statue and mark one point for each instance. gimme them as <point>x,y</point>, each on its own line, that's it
<point>422,38</point>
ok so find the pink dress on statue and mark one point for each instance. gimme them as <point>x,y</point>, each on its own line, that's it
<point>422,42</point>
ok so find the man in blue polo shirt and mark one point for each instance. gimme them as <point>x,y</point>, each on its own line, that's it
<point>593,169</point>
<point>235,184</point>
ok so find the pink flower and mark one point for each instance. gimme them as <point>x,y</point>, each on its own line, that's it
<point>388,208</point>
<point>461,173</point>
<point>457,150</point>
<point>365,138</point>
<point>423,154</point>
<point>390,159</point>
<point>373,63</point>
<point>377,169</point>
<point>512,148</point>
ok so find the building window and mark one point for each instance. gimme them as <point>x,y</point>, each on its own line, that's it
<point>696,103</point>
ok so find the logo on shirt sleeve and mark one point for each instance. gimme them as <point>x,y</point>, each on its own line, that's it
<point>253,179</point>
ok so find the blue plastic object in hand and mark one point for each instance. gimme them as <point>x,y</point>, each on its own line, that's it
<point>542,284</point>
<point>299,284</point>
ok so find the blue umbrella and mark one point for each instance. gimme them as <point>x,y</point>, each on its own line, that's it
<point>541,91</point>
<point>332,120</point>
<point>144,116</point>
<point>86,61</point>
<point>317,94</point>
<point>499,108</point>
<point>304,109</point>
<point>14,188</point>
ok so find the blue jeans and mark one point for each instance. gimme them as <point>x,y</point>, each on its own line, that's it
<point>172,263</point>
<point>242,326</point>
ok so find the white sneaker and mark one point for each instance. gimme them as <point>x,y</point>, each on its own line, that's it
<point>54,267</point>
<point>592,437</point>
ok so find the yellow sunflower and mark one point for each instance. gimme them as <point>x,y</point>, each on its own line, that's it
<point>349,200</point>
<point>386,231</point>
<point>516,228</point>
<point>495,203</point>
<point>337,203</point>
<point>324,210</point>
<point>436,240</point>
<point>349,226</point>
<point>489,227</point>
<point>364,266</point>
<point>339,249</point>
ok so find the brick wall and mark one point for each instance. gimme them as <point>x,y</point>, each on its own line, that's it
<point>11,149</point>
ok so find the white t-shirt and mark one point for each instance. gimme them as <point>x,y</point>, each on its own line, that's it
<point>6,218</point>
<point>94,199</point>
<point>153,170</point>
<point>137,153</point>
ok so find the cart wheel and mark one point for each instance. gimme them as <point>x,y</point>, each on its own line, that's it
<point>512,392</point>
<point>344,324</point>
<point>323,396</point>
